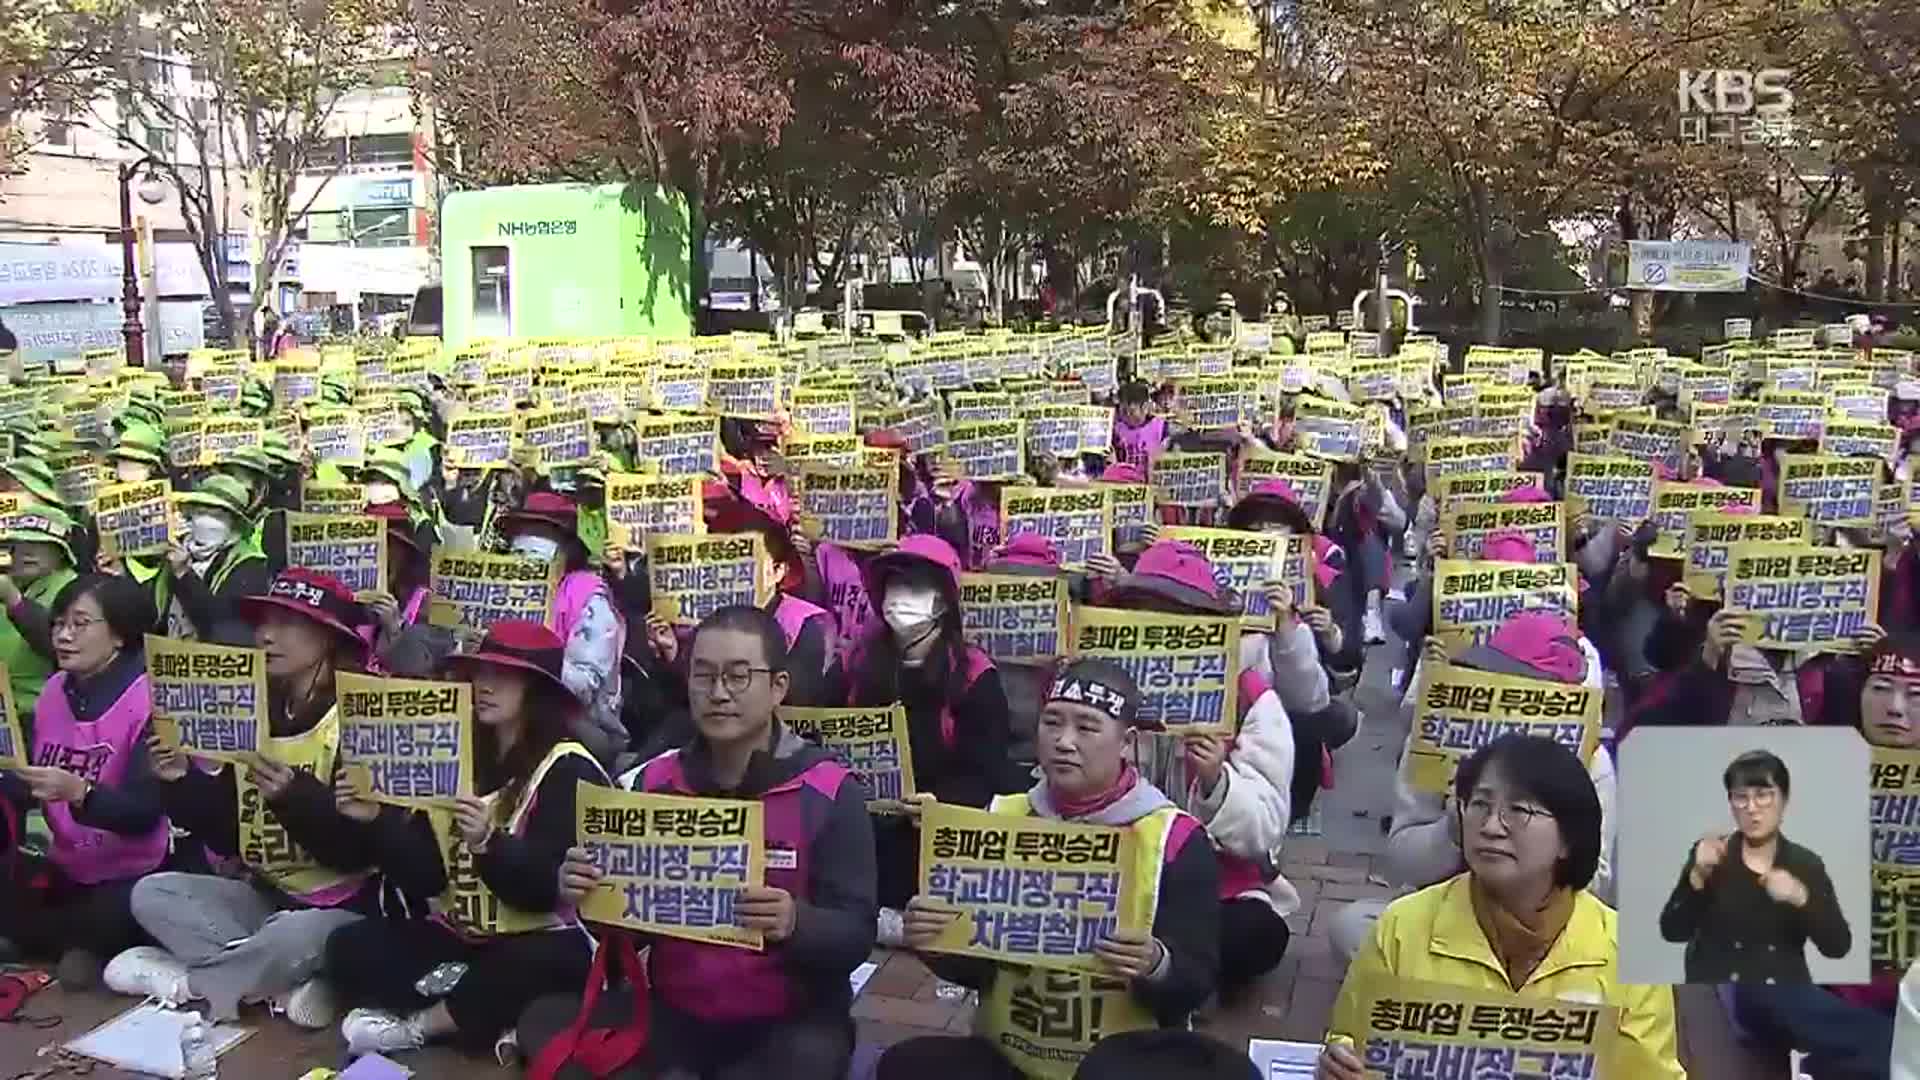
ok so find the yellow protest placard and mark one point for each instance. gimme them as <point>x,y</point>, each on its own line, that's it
<point>824,412</point>
<point>671,864</point>
<point>1187,666</point>
<point>827,452</point>
<point>133,519</point>
<point>857,507</point>
<point>1459,710</point>
<point>1804,597</point>
<point>1471,599</point>
<point>1661,442</point>
<point>747,389</point>
<point>695,576</point>
<point>1675,503</point>
<point>333,498</point>
<point>1188,479</point>
<point>1016,618</point>
<point>1079,521</point>
<point>993,450</point>
<point>79,478</point>
<point>1610,488</point>
<point>224,435</point>
<point>474,590</point>
<point>1830,490</point>
<point>294,383</point>
<point>1245,561</point>
<point>1132,510</point>
<point>645,505</point>
<point>1078,885</point>
<point>406,742</point>
<point>1330,429</point>
<point>560,437</point>
<point>210,701</point>
<point>1433,423</point>
<point>680,445</point>
<point>1847,438</point>
<point>479,438</point>
<point>1311,478</point>
<point>1466,527</point>
<point>1894,819</point>
<point>14,751</point>
<point>1450,457</point>
<point>1404,1027</point>
<point>1711,537</point>
<point>337,437</point>
<point>351,547</point>
<point>1482,487</point>
<point>873,742</point>
<point>1792,414</point>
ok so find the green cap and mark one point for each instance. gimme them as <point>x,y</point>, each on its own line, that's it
<point>143,412</point>
<point>223,493</point>
<point>335,391</point>
<point>256,398</point>
<point>143,443</point>
<point>33,474</point>
<point>274,444</point>
<point>251,459</point>
<point>40,525</point>
<point>388,464</point>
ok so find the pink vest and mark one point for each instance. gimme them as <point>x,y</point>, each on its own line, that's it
<point>983,525</point>
<point>1237,874</point>
<point>767,493</point>
<point>570,602</point>
<point>1138,445</point>
<point>846,594</point>
<point>721,983</point>
<point>97,751</point>
<point>793,614</point>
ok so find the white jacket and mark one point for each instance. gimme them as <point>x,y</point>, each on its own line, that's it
<point>1906,1029</point>
<point>1289,659</point>
<point>1247,812</point>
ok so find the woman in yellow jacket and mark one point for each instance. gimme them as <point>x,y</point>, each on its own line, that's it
<point>1520,920</point>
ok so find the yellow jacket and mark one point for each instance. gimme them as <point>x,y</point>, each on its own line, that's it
<point>1432,936</point>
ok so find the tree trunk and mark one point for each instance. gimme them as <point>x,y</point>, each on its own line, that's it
<point>1493,274</point>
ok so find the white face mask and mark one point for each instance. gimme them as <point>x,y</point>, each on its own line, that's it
<point>130,472</point>
<point>207,534</point>
<point>911,612</point>
<point>535,547</point>
<point>379,493</point>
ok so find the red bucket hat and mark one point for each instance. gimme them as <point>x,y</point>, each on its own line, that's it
<point>323,598</point>
<point>1175,570</point>
<point>520,644</point>
<point>399,524</point>
<point>544,508</point>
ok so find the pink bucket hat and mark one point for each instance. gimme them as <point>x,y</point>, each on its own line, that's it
<point>1123,473</point>
<point>1177,571</point>
<point>919,549</point>
<point>1527,493</point>
<point>1536,644</point>
<point>1275,497</point>
<point>1028,554</point>
<point>1507,545</point>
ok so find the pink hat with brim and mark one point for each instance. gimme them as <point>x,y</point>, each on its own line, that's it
<point>1028,554</point>
<point>1507,545</point>
<point>1273,497</point>
<point>1536,644</point>
<point>1177,571</point>
<point>1123,473</point>
<point>1527,493</point>
<point>919,549</point>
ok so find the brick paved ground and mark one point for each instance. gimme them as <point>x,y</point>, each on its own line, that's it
<point>900,1002</point>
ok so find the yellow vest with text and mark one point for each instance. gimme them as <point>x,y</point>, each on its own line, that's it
<point>1044,1022</point>
<point>467,904</point>
<point>265,845</point>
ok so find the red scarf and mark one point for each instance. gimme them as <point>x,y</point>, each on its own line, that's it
<point>1069,808</point>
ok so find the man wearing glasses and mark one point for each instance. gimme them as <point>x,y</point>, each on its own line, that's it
<point>1748,901</point>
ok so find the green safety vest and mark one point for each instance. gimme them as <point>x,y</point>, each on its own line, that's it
<point>28,671</point>
<point>591,527</point>
<point>152,574</point>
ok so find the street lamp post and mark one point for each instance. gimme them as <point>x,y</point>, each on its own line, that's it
<point>152,190</point>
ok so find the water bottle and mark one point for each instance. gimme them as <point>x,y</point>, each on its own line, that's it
<point>197,1059</point>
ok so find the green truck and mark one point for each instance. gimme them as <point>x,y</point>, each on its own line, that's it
<point>566,261</point>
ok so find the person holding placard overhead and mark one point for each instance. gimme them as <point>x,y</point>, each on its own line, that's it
<point>1519,919</point>
<point>1158,976</point>
<point>720,1011</point>
<point>915,652</point>
<point>43,564</point>
<point>584,614</point>
<point>508,923</point>
<point>300,869</point>
<point>91,778</point>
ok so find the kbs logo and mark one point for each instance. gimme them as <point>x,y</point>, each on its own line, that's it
<point>1733,105</point>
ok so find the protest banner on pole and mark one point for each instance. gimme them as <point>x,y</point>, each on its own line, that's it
<point>1079,521</point>
<point>857,507</point>
<point>1804,598</point>
<point>1829,490</point>
<point>474,590</point>
<point>1076,885</point>
<point>1460,710</point>
<point>134,519</point>
<point>406,742</point>
<point>644,505</point>
<point>1187,666</point>
<point>1245,561</point>
<point>14,749</point>
<point>1610,488</point>
<point>1188,479</point>
<point>1894,820</point>
<point>1466,527</point>
<point>1016,618</point>
<point>1675,503</point>
<point>351,547</point>
<point>479,438</point>
<point>558,436</point>
<point>873,742</point>
<point>1329,429</point>
<point>695,576</point>
<point>1311,478</point>
<point>1471,599</point>
<point>993,450</point>
<point>210,701</point>
<point>671,864</point>
<point>1451,457</point>
<point>1711,537</point>
<point>1408,1028</point>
